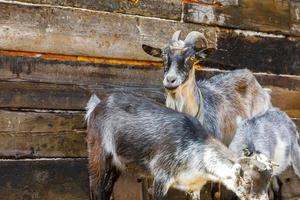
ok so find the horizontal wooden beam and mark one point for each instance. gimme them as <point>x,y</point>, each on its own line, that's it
<point>23,67</point>
<point>81,32</point>
<point>42,96</point>
<point>33,134</point>
<point>98,37</point>
<point>266,16</point>
<point>44,179</point>
<point>51,56</point>
<point>63,97</point>
<point>25,121</point>
<point>61,179</point>
<point>44,144</point>
<point>257,52</point>
<point>295,16</point>
<point>166,9</point>
<point>68,71</point>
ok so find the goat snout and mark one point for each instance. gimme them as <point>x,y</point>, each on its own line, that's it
<point>171,79</point>
<point>171,82</point>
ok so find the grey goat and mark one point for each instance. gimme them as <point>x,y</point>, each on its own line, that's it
<point>126,131</point>
<point>273,134</point>
<point>216,102</point>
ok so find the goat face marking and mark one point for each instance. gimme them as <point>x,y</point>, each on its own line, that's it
<point>179,57</point>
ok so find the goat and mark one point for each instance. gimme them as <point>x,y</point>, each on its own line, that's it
<point>275,135</point>
<point>126,131</point>
<point>215,102</point>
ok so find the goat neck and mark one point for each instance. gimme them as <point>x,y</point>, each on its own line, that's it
<point>186,98</point>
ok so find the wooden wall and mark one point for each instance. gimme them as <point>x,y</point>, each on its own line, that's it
<point>54,54</point>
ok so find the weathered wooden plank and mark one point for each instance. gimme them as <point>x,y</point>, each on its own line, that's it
<point>79,73</point>
<point>83,32</point>
<point>100,34</point>
<point>290,105</point>
<point>236,49</point>
<point>63,97</point>
<point>119,73</point>
<point>42,134</point>
<point>167,9</point>
<point>295,16</point>
<point>27,121</point>
<point>41,96</point>
<point>267,15</point>
<point>60,179</point>
<point>43,144</point>
<point>257,52</point>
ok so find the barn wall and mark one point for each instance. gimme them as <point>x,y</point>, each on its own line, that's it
<point>55,54</point>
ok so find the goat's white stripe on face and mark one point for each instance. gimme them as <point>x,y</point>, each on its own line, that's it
<point>173,72</point>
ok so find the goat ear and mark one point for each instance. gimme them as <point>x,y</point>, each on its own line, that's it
<point>152,51</point>
<point>204,53</point>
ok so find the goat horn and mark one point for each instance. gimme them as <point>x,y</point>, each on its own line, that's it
<point>175,36</point>
<point>193,37</point>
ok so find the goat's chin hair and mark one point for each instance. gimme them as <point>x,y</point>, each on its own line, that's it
<point>172,92</point>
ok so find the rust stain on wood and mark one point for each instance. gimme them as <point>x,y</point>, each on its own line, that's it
<point>50,56</point>
<point>81,58</point>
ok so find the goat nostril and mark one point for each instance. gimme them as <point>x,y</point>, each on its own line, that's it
<point>171,79</point>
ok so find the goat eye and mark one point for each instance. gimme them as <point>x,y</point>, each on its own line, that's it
<point>166,68</point>
<point>193,59</point>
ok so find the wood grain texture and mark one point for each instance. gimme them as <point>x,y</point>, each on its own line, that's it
<point>45,144</point>
<point>166,9</point>
<point>267,15</point>
<point>34,69</point>
<point>42,96</point>
<point>27,121</point>
<point>295,16</point>
<point>42,134</point>
<point>61,179</point>
<point>99,34</point>
<point>77,72</point>
<point>83,32</point>
<point>259,53</point>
